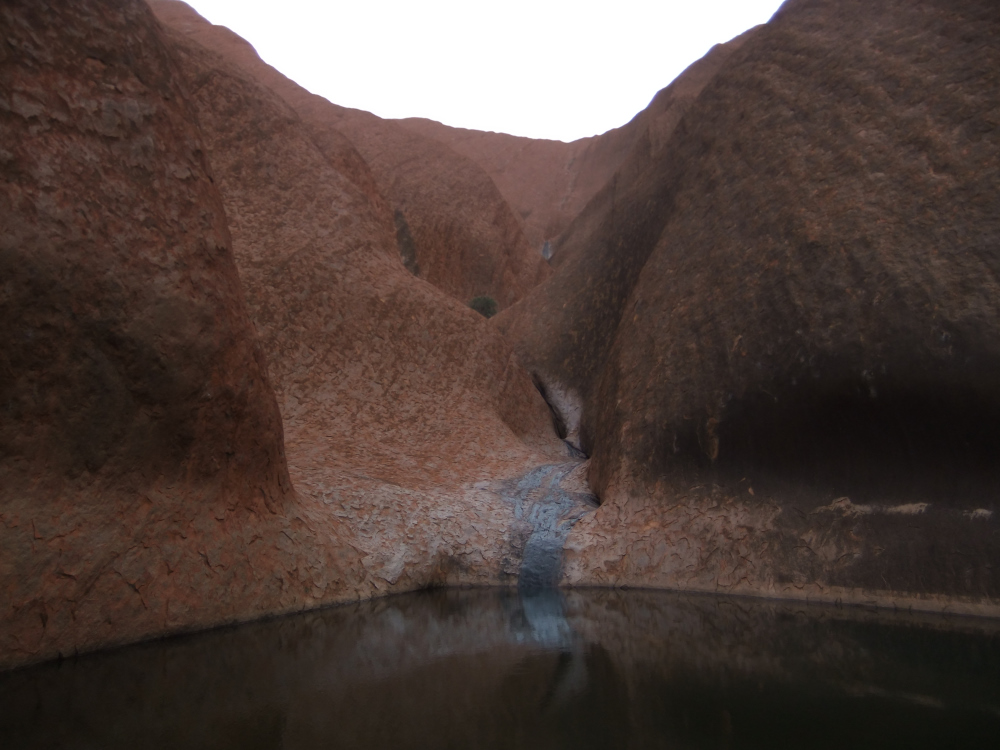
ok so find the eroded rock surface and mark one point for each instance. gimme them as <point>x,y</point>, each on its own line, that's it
<point>792,307</point>
<point>146,488</point>
<point>453,227</point>
<point>140,442</point>
<point>228,389</point>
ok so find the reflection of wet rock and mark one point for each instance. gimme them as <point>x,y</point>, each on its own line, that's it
<point>460,669</point>
<point>545,616</point>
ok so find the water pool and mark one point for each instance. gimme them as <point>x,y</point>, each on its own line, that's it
<point>493,668</point>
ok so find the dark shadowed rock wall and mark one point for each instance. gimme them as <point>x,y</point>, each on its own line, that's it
<point>783,340</point>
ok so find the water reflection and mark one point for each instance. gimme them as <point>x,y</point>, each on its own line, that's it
<point>492,668</point>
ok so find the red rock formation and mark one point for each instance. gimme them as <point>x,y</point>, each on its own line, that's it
<point>777,326</point>
<point>784,337</point>
<point>563,330</point>
<point>454,228</point>
<point>376,363</point>
<point>144,484</point>
<point>545,182</point>
<point>137,418</point>
<point>548,183</point>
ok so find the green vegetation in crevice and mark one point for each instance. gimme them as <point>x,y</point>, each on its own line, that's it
<point>484,305</point>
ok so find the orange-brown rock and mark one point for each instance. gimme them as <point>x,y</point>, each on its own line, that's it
<point>548,183</point>
<point>563,330</point>
<point>784,338</point>
<point>450,218</point>
<point>145,487</point>
<point>453,227</point>
<point>137,420</point>
<point>545,182</point>
<point>402,407</point>
<point>383,368</point>
<point>225,394</point>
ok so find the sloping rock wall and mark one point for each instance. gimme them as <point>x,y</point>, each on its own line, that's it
<point>563,330</point>
<point>137,418</point>
<point>393,376</point>
<point>454,228</point>
<point>782,342</point>
<point>803,378</point>
<point>145,486</point>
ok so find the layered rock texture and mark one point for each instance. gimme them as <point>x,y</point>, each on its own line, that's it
<point>239,374</point>
<point>781,332</point>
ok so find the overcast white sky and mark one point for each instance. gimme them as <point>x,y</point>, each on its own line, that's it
<point>541,68</point>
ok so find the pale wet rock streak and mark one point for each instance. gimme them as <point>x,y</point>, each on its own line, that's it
<point>549,510</point>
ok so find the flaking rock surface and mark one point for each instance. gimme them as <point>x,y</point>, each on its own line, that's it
<point>145,485</point>
<point>140,441</point>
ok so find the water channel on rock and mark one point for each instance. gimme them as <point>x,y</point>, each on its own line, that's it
<point>550,510</point>
<point>495,668</point>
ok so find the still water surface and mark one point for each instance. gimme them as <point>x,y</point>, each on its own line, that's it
<point>497,669</point>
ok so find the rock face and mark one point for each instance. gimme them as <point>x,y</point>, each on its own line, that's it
<point>453,227</point>
<point>380,370</point>
<point>462,234</point>
<point>564,329</point>
<point>145,486</point>
<point>548,183</point>
<point>545,182</point>
<point>783,340</point>
<point>228,390</point>
<point>135,396</point>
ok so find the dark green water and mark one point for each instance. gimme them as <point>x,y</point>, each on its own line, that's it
<point>493,669</point>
